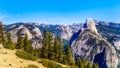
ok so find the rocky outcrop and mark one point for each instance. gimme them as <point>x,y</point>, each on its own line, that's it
<point>88,44</point>
<point>91,25</point>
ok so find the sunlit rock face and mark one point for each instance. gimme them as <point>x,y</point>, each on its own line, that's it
<point>34,34</point>
<point>91,25</point>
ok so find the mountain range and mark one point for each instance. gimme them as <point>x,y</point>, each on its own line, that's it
<point>96,41</point>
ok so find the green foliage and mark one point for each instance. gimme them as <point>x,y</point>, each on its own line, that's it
<point>1,32</point>
<point>89,65</point>
<point>82,63</point>
<point>25,55</point>
<point>32,66</point>
<point>19,43</point>
<point>50,64</point>
<point>69,57</point>
<point>2,38</point>
<point>4,42</point>
<point>61,50</point>
<point>44,50</point>
<point>26,42</point>
<point>56,49</point>
<point>79,63</point>
<point>95,65</point>
<point>27,46</point>
<point>9,44</point>
<point>52,49</point>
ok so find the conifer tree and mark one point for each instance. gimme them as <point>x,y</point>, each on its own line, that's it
<point>2,38</point>
<point>4,42</point>
<point>44,50</point>
<point>27,47</point>
<point>69,58</point>
<point>95,65</point>
<point>26,42</point>
<point>1,32</point>
<point>10,43</point>
<point>19,44</point>
<point>50,46</point>
<point>56,49</point>
<point>79,62</point>
<point>61,49</point>
<point>89,65</point>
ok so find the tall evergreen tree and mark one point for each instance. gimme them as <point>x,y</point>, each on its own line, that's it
<point>26,42</point>
<point>27,47</point>
<point>2,38</point>
<point>1,32</point>
<point>89,65</point>
<point>50,46</point>
<point>4,41</point>
<point>95,65</point>
<point>79,62</point>
<point>61,49</point>
<point>69,57</point>
<point>56,49</point>
<point>19,44</point>
<point>44,50</point>
<point>10,43</point>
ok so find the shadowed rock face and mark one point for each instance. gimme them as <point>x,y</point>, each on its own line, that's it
<point>74,36</point>
<point>99,58</point>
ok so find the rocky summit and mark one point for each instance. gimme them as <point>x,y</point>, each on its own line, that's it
<point>91,25</point>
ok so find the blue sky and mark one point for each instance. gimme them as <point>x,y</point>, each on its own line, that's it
<point>59,11</point>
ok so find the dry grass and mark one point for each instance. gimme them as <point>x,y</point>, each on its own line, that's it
<point>8,59</point>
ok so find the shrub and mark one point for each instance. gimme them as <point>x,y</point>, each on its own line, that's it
<point>10,64</point>
<point>32,66</point>
<point>25,55</point>
<point>49,64</point>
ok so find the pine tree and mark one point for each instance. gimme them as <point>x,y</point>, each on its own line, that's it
<point>27,47</point>
<point>19,43</point>
<point>26,42</point>
<point>69,58</point>
<point>50,46</point>
<point>89,65</point>
<point>56,49</point>
<point>1,32</point>
<point>79,62</point>
<point>4,42</point>
<point>10,43</point>
<point>2,38</point>
<point>61,49</point>
<point>95,65</point>
<point>44,50</point>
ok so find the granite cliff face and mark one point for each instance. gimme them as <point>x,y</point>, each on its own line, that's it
<point>90,25</point>
<point>34,34</point>
<point>90,45</point>
<point>58,30</point>
<point>111,32</point>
